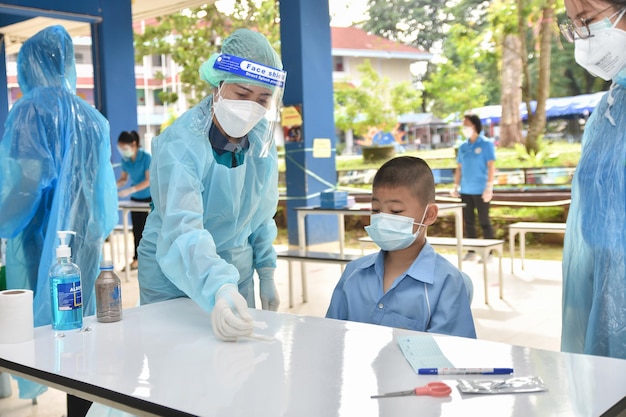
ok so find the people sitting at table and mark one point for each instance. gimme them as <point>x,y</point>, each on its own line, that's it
<point>406,284</point>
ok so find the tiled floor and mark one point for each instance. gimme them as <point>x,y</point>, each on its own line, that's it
<point>528,315</point>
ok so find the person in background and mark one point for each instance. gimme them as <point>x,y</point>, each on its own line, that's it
<point>55,174</point>
<point>474,174</point>
<point>406,284</point>
<point>214,185</point>
<point>594,253</point>
<point>136,166</point>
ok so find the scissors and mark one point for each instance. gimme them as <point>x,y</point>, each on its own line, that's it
<point>434,389</point>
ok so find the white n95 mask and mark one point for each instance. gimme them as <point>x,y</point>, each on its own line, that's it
<point>603,54</point>
<point>238,117</point>
<point>392,231</point>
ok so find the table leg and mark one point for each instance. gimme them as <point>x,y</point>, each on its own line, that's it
<point>512,246</point>
<point>125,254</point>
<point>485,255</point>
<point>500,276</point>
<point>302,247</point>
<point>458,226</point>
<point>290,284</point>
<point>342,233</point>
<point>522,246</point>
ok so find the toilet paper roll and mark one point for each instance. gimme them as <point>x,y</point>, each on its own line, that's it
<point>16,316</point>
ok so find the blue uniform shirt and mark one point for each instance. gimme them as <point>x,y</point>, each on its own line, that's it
<point>430,296</point>
<point>473,158</point>
<point>137,172</point>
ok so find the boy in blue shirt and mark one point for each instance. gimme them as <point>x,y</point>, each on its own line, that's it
<point>406,284</point>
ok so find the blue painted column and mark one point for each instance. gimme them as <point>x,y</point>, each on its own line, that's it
<point>114,69</point>
<point>306,55</point>
<point>4,89</point>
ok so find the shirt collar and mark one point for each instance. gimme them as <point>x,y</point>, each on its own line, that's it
<point>422,269</point>
<point>220,142</point>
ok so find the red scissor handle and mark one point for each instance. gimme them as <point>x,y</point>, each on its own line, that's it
<point>434,389</point>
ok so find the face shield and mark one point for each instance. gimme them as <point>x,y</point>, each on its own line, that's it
<point>247,101</point>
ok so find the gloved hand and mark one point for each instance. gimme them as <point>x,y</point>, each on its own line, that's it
<point>230,317</point>
<point>455,192</point>
<point>269,295</point>
<point>487,194</point>
<point>126,192</point>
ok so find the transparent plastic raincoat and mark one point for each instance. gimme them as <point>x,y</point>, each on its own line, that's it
<point>594,257</point>
<point>55,173</point>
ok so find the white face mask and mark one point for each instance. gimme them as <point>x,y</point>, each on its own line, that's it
<point>237,117</point>
<point>126,152</point>
<point>467,131</point>
<point>603,54</point>
<point>392,231</point>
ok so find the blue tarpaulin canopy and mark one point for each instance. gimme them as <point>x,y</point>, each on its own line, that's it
<point>556,108</point>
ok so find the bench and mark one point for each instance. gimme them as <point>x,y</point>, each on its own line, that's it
<point>524,227</point>
<point>482,246</point>
<point>310,256</point>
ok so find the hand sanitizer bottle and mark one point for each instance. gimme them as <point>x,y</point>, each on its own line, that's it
<point>65,289</point>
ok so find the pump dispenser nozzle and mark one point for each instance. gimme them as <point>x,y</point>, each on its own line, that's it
<point>63,250</point>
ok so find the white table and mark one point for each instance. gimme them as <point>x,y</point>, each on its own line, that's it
<point>364,210</point>
<point>162,359</point>
<point>126,207</point>
<point>524,227</point>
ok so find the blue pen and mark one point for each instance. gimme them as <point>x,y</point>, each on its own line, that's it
<point>465,371</point>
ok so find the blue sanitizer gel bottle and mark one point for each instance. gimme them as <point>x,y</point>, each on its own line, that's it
<point>65,289</point>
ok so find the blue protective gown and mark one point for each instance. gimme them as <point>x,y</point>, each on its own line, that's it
<point>211,224</point>
<point>55,173</point>
<point>594,256</point>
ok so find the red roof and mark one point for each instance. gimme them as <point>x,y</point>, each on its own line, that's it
<point>358,39</point>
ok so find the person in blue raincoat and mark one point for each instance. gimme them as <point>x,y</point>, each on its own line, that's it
<point>594,254</point>
<point>214,185</point>
<point>55,173</point>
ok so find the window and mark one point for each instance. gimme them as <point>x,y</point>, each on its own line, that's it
<point>141,97</point>
<point>156,61</point>
<point>338,63</point>
<point>80,58</point>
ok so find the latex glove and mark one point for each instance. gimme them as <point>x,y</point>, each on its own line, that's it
<point>487,194</point>
<point>455,192</point>
<point>126,192</point>
<point>269,295</point>
<point>230,317</point>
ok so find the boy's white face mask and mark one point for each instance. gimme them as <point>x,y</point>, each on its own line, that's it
<point>394,232</point>
<point>237,117</point>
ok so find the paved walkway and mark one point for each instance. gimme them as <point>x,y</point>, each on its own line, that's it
<point>529,314</point>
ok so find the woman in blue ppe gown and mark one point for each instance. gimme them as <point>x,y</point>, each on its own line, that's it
<point>214,185</point>
<point>55,174</point>
<point>594,257</point>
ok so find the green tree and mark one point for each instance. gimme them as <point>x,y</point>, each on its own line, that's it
<point>376,102</point>
<point>193,35</point>
<point>457,85</point>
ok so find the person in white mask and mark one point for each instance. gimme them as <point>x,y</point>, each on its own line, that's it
<point>214,185</point>
<point>594,254</point>
<point>406,284</point>
<point>474,174</point>
<point>136,168</point>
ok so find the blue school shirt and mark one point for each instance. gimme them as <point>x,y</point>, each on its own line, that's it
<point>430,296</point>
<point>137,172</point>
<point>473,158</point>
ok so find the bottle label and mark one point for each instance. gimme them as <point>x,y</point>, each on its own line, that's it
<point>69,296</point>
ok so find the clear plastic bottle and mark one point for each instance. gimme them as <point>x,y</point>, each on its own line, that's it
<point>108,294</point>
<point>65,289</point>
